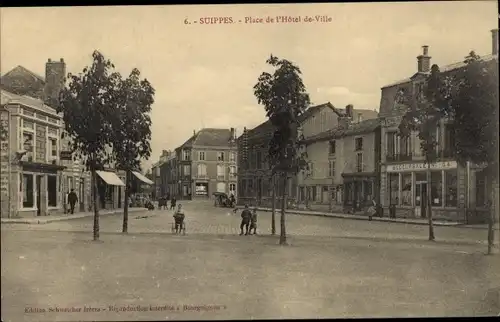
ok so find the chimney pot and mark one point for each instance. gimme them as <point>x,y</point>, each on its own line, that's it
<point>349,110</point>
<point>494,40</point>
<point>50,60</point>
<point>62,60</point>
<point>424,61</point>
<point>425,50</point>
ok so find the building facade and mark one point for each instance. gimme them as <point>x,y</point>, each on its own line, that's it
<point>168,174</point>
<point>156,178</point>
<point>30,156</point>
<point>320,187</point>
<point>207,163</point>
<point>454,188</point>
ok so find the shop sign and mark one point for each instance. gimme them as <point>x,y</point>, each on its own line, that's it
<point>201,189</point>
<point>421,166</point>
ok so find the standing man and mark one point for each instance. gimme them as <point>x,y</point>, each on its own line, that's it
<point>246,216</point>
<point>72,199</point>
<point>253,222</point>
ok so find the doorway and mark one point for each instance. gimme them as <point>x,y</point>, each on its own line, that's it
<point>421,197</point>
<point>38,195</point>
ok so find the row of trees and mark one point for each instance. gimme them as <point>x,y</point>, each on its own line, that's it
<point>468,97</point>
<point>107,120</point>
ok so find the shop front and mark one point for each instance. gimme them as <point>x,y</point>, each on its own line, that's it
<point>110,187</point>
<point>406,189</point>
<point>359,190</point>
<point>201,189</point>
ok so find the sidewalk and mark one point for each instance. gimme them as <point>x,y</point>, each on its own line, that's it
<point>49,219</point>
<point>358,217</point>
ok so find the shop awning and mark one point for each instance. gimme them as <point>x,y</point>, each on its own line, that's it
<point>141,177</point>
<point>110,178</point>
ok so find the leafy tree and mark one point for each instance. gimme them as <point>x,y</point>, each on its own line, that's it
<point>474,105</point>
<point>88,103</point>
<point>132,130</point>
<point>284,98</point>
<point>425,110</point>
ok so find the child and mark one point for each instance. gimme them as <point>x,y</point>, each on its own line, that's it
<point>179,219</point>
<point>253,221</point>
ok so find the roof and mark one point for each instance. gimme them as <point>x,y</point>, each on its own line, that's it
<point>313,109</point>
<point>11,98</point>
<point>209,137</point>
<point>365,114</point>
<point>25,70</point>
<point>362,127</point>
<point>443,69</point>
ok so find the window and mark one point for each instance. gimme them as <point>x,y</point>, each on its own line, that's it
<point>311,193</point>
<point>437,188</point>
<point>391,143</point>
<point>220,156</point>
<point>52,120</point>
<point>202,170</point>
<point>53,147</point>
<point>201,156</point>
<point>359,144</point>
<point>232,172</point>
<point>28,112</point>
<point>220,172</point>
<point>405,147</point>
<point>52,190</point>
<point>332,146</point>
<point>41,143</point>
<point>311,169</point>
<point>186,170</point>
<point>451,188</point>
<point>232,157</point>
<point>186,155</point>
<point>28,191</point>
<point>232,187</point>
<point>27,143</point>
<point>359,162</point>
<point>28,125</point>
<point>449,138</point>
<point>420,188</point>
<point>331,168</point>
<point>406,189</point>
<point>393,188</point>
<point>52,131</point>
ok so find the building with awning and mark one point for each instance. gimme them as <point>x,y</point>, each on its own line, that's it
<point>142,178</point>
<point>111,187</point>
<point>110,178</point>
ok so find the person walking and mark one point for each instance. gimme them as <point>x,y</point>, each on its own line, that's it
<point>172,203</point>
<point>246,216</point>
<point>179,219</point>
<point>253,221</point>
<point>72,199</point>
<point>372,210</point>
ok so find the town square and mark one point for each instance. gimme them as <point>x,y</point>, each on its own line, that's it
<point>174,170</point>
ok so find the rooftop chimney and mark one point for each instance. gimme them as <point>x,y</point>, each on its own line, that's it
<point>55,73</point>
<point>424,60</point>
<point>494,41</point>
<point>349,110</point>
<point>232,134</point>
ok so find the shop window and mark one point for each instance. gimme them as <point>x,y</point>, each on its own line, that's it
<point>420,179</point>
<point>437,188</point>
<point>451,188</point>
<point>52,190</point>
<point>406,189</point>
<point>393,188</point>
<point>27,190</point>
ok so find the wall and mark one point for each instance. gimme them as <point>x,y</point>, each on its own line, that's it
<point>321,121</point>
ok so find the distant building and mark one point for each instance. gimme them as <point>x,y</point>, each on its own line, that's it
<point>168,174</point>
<point>206,163</point>
<point>156,178</point>
<point>403,174</point>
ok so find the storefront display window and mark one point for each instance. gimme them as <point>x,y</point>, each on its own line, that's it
<point>437,188</point>
<point>451,188</point>
<point>27,190</point>
<point>393,188</point>
<point>52,190</point>
<point>406,189</point>
<point>420,187</point>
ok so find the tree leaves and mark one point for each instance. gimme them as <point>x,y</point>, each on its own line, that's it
<point>105,116</point>
<point>284,97</point>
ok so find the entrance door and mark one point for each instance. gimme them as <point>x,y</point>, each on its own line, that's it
<point>38,195</point>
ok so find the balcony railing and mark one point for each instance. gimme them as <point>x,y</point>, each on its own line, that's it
<point>400,157</point>
<point>441,154</point>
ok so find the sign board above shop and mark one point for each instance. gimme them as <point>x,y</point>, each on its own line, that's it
<point>421,166</point>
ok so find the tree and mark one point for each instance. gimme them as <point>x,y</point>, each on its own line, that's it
<point>88,103</point>
<point>425,110</point>
<point>284,98</point>
<point>474,105</point>
<point>132,130</point>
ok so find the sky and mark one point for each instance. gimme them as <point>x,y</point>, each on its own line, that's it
<point>204,74</point>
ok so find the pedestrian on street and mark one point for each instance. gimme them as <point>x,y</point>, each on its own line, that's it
<point>372,210</point>
<point>172,203</point>
<point>179,219</point>
<point>72,199</point>
<point>253,221</point>
<point>246,216</point>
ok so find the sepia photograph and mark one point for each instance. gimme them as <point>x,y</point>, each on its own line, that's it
<point>249,161</point>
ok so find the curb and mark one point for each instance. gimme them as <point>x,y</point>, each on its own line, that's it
<point>56,219</point>
<point>354,217</point>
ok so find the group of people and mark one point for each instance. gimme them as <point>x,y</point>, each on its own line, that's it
<point>248,221</point>
<point>163,202</point>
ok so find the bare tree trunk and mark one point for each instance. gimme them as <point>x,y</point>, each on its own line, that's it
<point>283,210</point>
<point>125,206</point>
<point>273,219</point>
<point>429,203</point>
<point>95,202</point>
